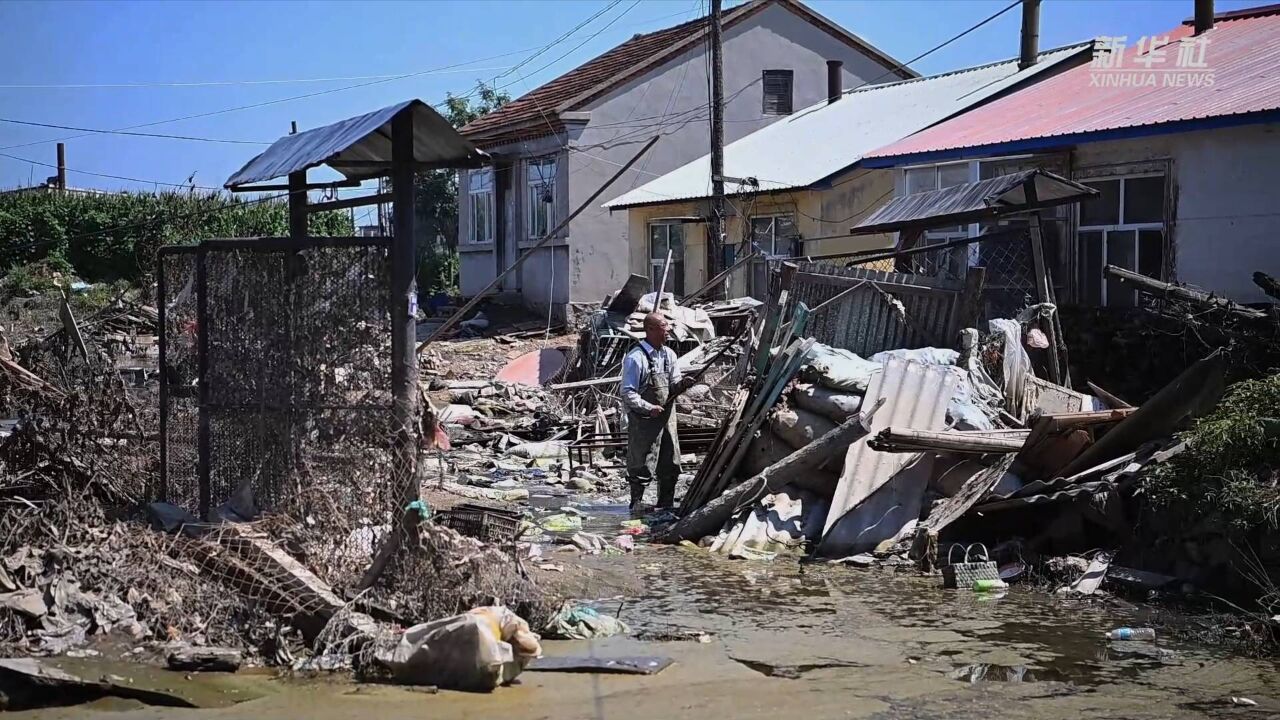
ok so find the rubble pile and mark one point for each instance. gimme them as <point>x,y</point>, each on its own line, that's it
<point>903,456</point>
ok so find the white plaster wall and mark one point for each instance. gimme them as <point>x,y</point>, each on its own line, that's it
<point>775,39</point>
<point>1226,219</point>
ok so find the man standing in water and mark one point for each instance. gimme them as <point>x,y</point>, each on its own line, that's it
<point>650,382</point>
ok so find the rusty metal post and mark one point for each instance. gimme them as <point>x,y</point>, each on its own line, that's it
<point>404,305</point>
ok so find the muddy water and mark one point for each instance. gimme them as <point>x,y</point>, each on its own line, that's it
<point>815,641</point>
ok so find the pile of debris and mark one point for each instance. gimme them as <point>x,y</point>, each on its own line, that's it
<point>889,458</point>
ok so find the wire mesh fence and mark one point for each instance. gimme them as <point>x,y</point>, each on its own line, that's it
<point>276,387</point>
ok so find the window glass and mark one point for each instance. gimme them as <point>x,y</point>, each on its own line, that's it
<point>1091,243</point>
<point>1151,253</point>
<point>1143,200</point>
<point>541,197</point>
<point>922,180</point>
<point>1121,252</point>
<point>949,175</point>
<point>1104,209</point>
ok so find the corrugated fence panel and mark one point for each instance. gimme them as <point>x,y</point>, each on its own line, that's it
<point>868,320</point>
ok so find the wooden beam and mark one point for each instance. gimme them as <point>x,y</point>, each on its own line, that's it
<point>354,202</point>
<point>298,204</point>
<point>284,186</point>
<point>462,311</point>
<point>1157,287</point>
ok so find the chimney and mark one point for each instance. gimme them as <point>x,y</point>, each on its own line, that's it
<point>62,166</point>
<point>835,83</point>
<point>1030,34</point>
<point>1204,16</point>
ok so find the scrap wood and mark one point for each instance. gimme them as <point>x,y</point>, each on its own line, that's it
<point>781,371</point>
<point>1107,397</point>
<point>1193,393</point>
<point>1158,288</point>
<point>971,491</point>
<point>709,518</point>
<point>893,439</point>
<point>29,379</point>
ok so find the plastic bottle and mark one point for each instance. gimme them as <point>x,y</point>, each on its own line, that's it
<point>1125,633</point>
<point>988,585</point>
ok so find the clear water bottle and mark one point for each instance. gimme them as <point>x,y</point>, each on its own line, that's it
<point>1125,633</point>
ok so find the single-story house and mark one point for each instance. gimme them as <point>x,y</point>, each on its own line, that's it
<point>798,186</point>
<point>554,146</point>
<point>1179,133</point>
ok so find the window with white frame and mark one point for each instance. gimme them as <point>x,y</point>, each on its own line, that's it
<point>775,234</point>
<point>667,237</point>
<point>540,197</point>
<point>1123,226</point>
<point>480,198</point>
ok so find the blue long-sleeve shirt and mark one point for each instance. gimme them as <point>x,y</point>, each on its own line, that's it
<point>635,374</point>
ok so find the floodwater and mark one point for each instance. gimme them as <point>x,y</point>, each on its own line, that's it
<point>810,641</point>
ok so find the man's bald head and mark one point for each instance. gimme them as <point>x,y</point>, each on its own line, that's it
<point>655,329</point>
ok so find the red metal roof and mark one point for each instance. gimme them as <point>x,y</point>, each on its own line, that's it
<point>1241,77</point>
<point>536,112</point>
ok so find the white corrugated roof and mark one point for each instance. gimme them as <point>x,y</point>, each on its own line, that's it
<point>825,139</point>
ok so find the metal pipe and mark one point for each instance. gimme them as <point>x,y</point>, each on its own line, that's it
<point>62,166</point>
<point>1030,33</point>
<point>1204,16</point>
<point>835,82</point>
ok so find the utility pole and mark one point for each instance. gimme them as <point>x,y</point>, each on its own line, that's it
<point>715,244</point>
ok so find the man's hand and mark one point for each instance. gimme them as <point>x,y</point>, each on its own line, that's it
<point>655,411</point>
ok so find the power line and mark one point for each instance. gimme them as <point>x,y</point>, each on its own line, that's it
<point>269,102</point>
<point>107,175</point>
<point>558,40</point>
<point>226,83</point>
<point>127,132</point>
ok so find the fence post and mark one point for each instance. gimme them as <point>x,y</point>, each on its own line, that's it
<point>162,491</point>
<point>968,308</point>
<point>404,302</point>
<point>202,384</point>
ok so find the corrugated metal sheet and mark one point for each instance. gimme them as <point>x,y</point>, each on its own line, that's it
<point>1243,54</point>
<point>1073,491</point>
<point>868,321</point>
<point>824,139</point>
<point>879,492</point>
<point>364,138</point>
<point>972,202</point>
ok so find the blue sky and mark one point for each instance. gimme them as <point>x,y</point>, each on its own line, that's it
<point>252,45</point>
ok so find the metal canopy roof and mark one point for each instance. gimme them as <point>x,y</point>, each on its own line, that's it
<point>826,139</point>
<point>973,202</point>
<point>360,147</point>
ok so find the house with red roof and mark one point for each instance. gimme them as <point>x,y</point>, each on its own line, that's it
<point>1179,133</point>
<point>555,145</point>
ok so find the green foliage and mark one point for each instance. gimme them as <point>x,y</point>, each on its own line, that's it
<point>1231,468</point>
<point>438,270</point>
<point>115,236</point>
<point>436,200</point>
<point>437,190</point>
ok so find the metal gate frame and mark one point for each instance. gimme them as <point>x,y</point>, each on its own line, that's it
<point>179,386</point>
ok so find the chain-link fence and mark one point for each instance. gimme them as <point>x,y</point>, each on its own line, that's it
<point>276,384</point>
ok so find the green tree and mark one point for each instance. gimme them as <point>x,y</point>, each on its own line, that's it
<point>436,202</point>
